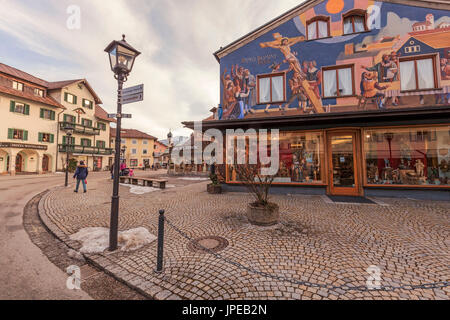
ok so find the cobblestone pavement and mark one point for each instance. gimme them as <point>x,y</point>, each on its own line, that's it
<point>316,241</point>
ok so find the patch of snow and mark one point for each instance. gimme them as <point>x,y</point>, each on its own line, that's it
<point>194,179</point>
<point>142,190</point>
<point>96,240</point>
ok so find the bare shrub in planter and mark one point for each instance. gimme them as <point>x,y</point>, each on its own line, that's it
<point>262,212</point>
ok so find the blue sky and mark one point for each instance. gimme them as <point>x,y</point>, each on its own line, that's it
<point>176,37</point>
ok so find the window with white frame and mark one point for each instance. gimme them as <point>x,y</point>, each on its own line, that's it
<point>17,85</point>
<point>338,81</point>
<point>271,88</point>
<point>418,73</point>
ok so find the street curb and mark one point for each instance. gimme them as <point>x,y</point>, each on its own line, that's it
<point>145,287</point>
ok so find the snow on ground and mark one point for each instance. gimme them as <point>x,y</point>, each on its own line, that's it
<point>194,179</point>
<point>142,190</point>
<point>96,240</point>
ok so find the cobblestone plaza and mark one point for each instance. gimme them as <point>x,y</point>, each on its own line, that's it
<point>317,242</point>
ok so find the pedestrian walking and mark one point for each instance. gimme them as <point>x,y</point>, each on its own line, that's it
<point>81,175</point>
<point>111,170</point>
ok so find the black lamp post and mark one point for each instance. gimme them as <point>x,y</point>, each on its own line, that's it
<point>169,137</point>
<point>69,131</point>
<point>121,58</point>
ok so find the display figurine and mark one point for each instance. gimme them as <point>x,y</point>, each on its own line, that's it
<point>419,168</point>
<point>387,163</point>
<point>396,176</point>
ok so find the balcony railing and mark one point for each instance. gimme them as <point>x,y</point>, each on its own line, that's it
<point>79,128</point>
<point>85,150</point>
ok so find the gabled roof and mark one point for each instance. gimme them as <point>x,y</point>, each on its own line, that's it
<point>48,100</point>
<point>101,114</point>
<point>133,133</point>
<point>65,83</point>
<point>436,40</point>
<point>19,74</point>
<point>224,51</point>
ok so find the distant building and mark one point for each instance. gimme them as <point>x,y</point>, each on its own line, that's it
<point>139,148</point>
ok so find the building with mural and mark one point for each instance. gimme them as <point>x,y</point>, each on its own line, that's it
<point>34,116</point>
<point>360,90</point>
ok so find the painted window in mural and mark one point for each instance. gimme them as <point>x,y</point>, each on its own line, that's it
<point>355,21</point>
<point>338,81</point>
<point>408,156</point>
<point>318,27</point>
<point>271,88</point>
<point>301,159</point>
<point>418,73</point>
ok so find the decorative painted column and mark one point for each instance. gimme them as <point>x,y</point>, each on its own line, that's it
<point>12,162</point>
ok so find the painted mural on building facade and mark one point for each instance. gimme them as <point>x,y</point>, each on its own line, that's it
<point>341,56</point>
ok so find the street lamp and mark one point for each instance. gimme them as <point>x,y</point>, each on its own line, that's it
<point>121,58</point>
<point>69,131</point>
<point>169,138</point>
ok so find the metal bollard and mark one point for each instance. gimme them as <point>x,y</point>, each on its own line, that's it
<point>159,259</point>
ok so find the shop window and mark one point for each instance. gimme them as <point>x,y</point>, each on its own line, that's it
<point>301,159</point>
<point>272,88</point>
<point>355,21</point>
<point>17,85</point>
<point>409,156</point>
<point>418,73</point>
<point>338,81</point>
<point>133,162</point>
<point>318,27</point>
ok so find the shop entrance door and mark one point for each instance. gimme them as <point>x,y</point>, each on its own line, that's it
<point>19,163</point>
<point>343,164</point>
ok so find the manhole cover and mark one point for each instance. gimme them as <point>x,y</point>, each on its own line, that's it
<point>212,243</point>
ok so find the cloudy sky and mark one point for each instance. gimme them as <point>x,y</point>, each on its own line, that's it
<point>176,37</point>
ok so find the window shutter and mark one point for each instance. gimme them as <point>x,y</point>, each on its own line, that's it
<point>64,140</point>
<point>73,141</point>
<point>74,99</point>
<point>10,133</point>
<point>65,118</point>
<point>12,106</point>
<point>65,96</point>
<point>42,113</point>
<point>52,138</point>
<point>25,135</point>
<point>27,109</point>
<point>52,115</point>
<point>40,135</point>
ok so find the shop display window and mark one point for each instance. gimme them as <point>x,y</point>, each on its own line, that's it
<point>301,159</point>
<point>408,156</point>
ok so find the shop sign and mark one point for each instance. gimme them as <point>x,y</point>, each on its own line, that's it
<point>22,146</point>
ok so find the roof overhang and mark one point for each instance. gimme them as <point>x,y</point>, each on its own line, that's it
<point>431,114</point>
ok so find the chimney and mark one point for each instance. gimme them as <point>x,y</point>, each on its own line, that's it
<point>349,49</point>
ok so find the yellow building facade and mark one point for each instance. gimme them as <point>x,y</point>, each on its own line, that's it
<point>139,148</point>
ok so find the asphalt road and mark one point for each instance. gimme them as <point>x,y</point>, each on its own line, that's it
<point>25,272</point>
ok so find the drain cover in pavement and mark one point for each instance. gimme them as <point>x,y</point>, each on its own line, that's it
<point>212,243</point>
<point>349,199</point>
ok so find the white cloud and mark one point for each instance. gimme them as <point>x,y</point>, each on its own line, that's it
<point>176,38</point>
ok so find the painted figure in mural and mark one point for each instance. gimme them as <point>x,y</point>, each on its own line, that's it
<point>314,77</point>
<point>370,87</point>
<point>444,98</point>
<point>387,69</point>
<point>228,91</point>
<point>284,45</point>
<point>298,92</point>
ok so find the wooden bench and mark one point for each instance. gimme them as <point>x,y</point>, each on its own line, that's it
<point>145,182</point>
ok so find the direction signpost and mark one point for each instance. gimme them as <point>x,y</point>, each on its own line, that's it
<point>133,94</point>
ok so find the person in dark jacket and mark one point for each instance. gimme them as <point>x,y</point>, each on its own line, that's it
<point>81,175</point>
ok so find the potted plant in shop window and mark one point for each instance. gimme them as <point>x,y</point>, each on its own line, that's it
<point>214,187</point>
<point>262,212</point>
